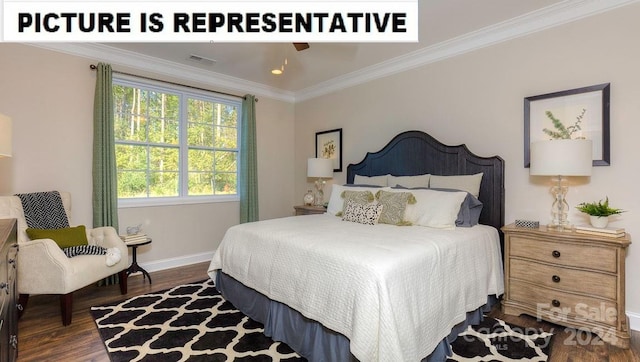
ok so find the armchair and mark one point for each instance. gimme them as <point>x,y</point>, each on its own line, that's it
<point>43,268</point>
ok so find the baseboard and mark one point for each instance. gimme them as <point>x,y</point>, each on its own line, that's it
<point>164,264</point>
<point>634,321</point>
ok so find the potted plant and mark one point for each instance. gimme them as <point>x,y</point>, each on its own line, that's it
<point>598,212</point>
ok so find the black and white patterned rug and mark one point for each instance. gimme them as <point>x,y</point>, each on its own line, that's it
<point>495,340</point>
<point>192,322</point>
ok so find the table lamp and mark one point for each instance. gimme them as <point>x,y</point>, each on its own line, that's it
<point>320,169</point>
<point>560,158</point>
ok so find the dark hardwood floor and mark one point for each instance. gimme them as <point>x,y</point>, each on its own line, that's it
<point>576,346</point>
<point>43,338</point>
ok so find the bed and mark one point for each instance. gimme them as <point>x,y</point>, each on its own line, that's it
<point>341,291</point>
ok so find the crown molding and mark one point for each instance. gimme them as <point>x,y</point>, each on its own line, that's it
<point>125,58</point>
<point>548,17</point>
<point>532,22</point>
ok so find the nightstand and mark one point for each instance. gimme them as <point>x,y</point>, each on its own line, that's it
<point>309,210</point>
<point>567,278</point>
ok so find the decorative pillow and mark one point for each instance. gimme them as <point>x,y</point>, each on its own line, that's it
<point>469,183</point>
<point>395,204</point>
<point>72,251</point>
<point>359,197</point>
<point>65,237</point>
<point>371,180</point>
<point>336,202</point>
<point>469,214</point>
<point>409,181</point>
<point>364,214</point>
<point>436,209</point>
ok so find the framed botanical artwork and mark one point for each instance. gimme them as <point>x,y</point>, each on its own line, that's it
<point>329,145</point>
<point>570,114</point>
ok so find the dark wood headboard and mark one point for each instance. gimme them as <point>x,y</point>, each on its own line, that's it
<point>416,153</point>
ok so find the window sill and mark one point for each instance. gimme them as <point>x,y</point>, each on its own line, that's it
<point>173,201</point>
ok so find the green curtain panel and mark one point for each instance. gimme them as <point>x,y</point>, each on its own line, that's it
<point>105,190</point>
<point>248,183</point>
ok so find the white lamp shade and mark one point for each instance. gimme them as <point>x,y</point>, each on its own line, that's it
<point>561,158</point>
<point>320,167</point>
<point>5,136</point>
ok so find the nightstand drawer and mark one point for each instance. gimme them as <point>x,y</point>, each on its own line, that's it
<point>579,281</point>
<point>581,256</point>
<point>309,210</point>
<point>556,306</point>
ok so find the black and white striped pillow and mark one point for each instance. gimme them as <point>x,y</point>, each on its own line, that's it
<point>72,251</point>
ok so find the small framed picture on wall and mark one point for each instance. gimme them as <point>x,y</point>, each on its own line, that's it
<point>329,145</point>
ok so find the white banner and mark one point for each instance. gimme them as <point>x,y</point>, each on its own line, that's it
<point>204,21</point>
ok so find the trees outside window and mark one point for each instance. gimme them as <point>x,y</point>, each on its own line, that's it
<point>174,143</point>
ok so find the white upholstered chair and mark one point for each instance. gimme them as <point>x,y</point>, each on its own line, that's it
<point>44,269</point>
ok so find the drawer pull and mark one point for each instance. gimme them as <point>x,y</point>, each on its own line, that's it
<point>555,303</point>
<point>556,254</point>
<point>556,279</point>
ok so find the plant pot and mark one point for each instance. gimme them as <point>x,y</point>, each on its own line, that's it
<point>600,222</point>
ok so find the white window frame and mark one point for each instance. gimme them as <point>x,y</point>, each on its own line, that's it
<point>184,93</point>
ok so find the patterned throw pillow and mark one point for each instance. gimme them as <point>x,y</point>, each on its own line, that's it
<point>359,197</point>
<point>395,204</point>
<point>364,214</point>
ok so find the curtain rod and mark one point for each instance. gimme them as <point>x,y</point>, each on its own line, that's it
<point>94,67</point>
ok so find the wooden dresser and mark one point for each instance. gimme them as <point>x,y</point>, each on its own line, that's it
<point>8,290</point>
<point>568,278</point>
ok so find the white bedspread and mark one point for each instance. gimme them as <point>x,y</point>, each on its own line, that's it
<point>394,291</point>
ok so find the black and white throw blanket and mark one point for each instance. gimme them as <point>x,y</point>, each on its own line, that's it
<point>44,210</point>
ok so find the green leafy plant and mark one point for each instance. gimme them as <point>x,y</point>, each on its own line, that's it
<point>561,131</point>
<point>599,208</point>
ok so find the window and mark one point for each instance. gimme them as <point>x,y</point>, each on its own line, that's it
<point>174,144</point>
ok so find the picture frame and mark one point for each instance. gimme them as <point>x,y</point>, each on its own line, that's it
<point>588,107</point>
<point>329,145</point>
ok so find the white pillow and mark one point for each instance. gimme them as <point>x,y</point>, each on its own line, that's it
<point>336,202</point>
<point>469,183</point>
<point>409,181</point>
<point>436,209</point>
<point>371,180</point>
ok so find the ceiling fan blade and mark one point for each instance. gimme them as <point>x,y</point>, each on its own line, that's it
<point>301,46</point>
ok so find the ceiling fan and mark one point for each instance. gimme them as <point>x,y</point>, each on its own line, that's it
<point>301,46</point>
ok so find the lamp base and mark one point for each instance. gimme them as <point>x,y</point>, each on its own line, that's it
<point>560,207</point>
<point>318,199</point>
<point>567,227</point>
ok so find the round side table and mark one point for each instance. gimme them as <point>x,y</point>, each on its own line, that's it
<point>134,267</point>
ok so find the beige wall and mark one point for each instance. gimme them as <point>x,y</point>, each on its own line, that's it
<point>49,96</point>
<point>477,99</point>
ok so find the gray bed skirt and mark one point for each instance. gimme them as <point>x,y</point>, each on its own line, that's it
<point>309,338</point>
